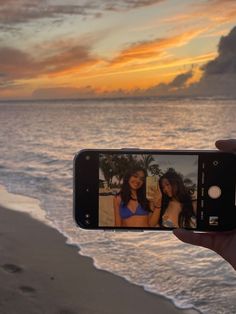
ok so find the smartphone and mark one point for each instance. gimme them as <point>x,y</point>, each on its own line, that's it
<point>197,190</point>
<point>151,186</point>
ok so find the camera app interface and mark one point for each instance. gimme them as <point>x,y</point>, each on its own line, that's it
<point>148,191</point>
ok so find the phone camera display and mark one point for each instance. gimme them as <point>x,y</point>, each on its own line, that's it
<point>148,190</point>
<point>87,157</point>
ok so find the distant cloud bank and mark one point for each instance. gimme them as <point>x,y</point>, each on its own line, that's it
<point>218,79</point>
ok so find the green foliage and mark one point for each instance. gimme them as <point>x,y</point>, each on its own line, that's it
<point>116,166</point>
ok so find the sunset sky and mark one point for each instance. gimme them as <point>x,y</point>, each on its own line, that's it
<point>59,49</point>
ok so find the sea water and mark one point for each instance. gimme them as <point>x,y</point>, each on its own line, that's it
<point>38,140</point>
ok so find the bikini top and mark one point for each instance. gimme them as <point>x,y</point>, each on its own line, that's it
<point>125,212</point>
<point>168,223</point>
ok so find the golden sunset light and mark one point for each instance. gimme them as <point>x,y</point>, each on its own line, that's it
<point>121,46</point>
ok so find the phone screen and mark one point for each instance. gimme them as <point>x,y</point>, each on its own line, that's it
<point>133,188</point>
<point>155,190</point>
<point>152,185</point>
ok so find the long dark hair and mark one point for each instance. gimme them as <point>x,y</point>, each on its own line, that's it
<point>125,191</point>
<point>181,194</point>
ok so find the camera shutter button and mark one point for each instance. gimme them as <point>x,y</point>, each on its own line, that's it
<point>214,191</point>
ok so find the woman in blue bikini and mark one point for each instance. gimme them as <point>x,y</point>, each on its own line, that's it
<point>131,207</point>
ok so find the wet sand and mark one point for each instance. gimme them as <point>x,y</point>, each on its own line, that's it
<point>39,273</point>
<point>106,214</point>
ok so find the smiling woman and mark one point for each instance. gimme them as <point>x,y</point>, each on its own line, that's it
<point>177,203</point>
<point>131,207</point>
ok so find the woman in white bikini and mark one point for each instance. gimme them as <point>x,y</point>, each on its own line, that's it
<point>177,205</point>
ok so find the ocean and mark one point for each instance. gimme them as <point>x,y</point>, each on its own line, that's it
<point>38,141</point>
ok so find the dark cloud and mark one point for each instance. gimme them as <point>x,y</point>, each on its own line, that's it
<point>127,4</point>
<point>226,60</point>
<point>16,64</point>
<point>177,84</point>
<point>21,11</point>
<point>219,75</point>
<point>218,79</point>
<point>181,79</point>
<point>64,92</point>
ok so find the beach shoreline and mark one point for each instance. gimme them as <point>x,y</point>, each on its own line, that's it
<point>43,274</point>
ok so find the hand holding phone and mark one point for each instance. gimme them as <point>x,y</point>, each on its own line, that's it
<point>223,243</point>
<point>157,199</point>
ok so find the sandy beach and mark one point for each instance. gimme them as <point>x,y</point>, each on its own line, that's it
<point>39,273</point>
<point>106,214</point>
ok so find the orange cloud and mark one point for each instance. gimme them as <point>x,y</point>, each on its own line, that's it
<point>215,78</point>
<point>17,64</point>
<point>155,49</point>
<point>65,59</point>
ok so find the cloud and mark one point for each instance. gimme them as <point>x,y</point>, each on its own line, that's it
<point>64,56</point>
<point>16,64</point>
<point>181,79</point>
<point>127,4</point>
<point>218,77</point>
<point>212,12</point>
<point>177,84</point>
<point>22,11</point>
<point>225,63</point>
<point>64,92</point>
<point>153,49</point>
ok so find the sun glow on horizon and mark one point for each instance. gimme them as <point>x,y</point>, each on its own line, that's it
<point>171,41</point>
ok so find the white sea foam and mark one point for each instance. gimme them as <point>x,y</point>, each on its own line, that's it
<point>24,204</point>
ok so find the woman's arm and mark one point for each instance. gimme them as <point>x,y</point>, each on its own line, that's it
<point>116,206</point>
<point>154,217</point>
<point>155,205</point>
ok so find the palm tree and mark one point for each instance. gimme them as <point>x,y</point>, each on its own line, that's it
<point>155,170</point>
<point>146,161</point>
<point>190,185</point>
<point>107,166</point>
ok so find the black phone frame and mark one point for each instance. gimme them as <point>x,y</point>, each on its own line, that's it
<point>86,183</point>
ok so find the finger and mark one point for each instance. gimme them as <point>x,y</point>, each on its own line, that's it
<point>151,189</point>
<point>201,239</point>
<point>226,145</point>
